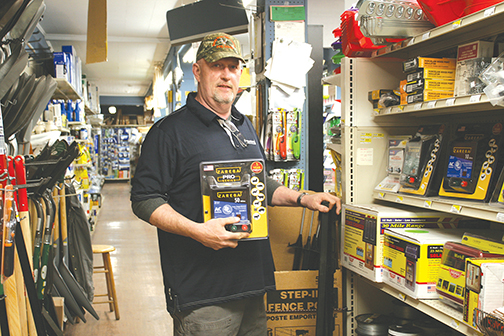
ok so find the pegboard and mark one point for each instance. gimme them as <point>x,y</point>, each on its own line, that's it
<point>269,35</point>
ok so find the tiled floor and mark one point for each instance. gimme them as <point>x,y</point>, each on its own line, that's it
<point>136,270</point>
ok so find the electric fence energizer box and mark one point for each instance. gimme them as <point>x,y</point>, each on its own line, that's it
<point>422,157</point>
<point>236,189</point>
<point>451,276</point>
<point>364,225</point>
<point>484,287</point>
<point>411,259</point>
<point>475,160</point>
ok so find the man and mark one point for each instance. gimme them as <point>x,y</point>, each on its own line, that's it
<point>214,283</point>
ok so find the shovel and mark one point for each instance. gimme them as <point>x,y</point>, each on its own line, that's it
<point>14,19</point>
<point>13,73</point>
<point>71,282</point>
<point>23,29</point>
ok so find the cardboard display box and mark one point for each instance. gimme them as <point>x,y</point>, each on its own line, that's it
<point>362,233</point>
<point>291,309</point>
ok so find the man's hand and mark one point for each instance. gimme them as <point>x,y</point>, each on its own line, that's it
<point>214,235</point>
<point>314,202</point>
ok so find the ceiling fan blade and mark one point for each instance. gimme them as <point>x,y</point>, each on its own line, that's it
<point>97,47</point>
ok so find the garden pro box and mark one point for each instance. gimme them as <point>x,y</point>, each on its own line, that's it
<point>363,229</point>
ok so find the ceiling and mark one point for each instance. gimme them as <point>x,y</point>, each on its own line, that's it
<point>137,40</point>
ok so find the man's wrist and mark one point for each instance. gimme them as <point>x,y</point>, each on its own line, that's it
<point>300,197</point>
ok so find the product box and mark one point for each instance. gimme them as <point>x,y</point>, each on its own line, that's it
<point>476,49</point>
<point>411,259</point>
<point>484,287</point>
<point>428,95</point>
<point>430,85</point>
<point>62,65</point>
<point>427,73</point>
<point>451,276</point>
<point>363,233</point>
<point>484,243</point>
<point>236,189</point>
<point>292,308</point>
<point>414,64</point>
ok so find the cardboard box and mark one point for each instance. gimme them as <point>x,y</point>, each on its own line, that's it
<point>363,233</point>
<point>476,49</point>
<point>414,64</point>
<point>427,73</point>
<point>292,308</point>
<point>430,84</point>
<point>484,243</point>
<point>484,287</point>
<point>411,259</point>
<point>428,95</point>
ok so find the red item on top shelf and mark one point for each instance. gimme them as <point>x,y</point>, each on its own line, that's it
<point>444,11</point>
<point>353,42</point>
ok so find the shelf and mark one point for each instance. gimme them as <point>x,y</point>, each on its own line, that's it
<point>434,308</point>
<point>463,104</point>
<point>332,80</point>
<point>338,148</point>
<point>65,90</point>
<point>465,208</point>
<point>477,26</point>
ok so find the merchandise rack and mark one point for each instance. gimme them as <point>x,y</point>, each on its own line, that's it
<point>364,140</point>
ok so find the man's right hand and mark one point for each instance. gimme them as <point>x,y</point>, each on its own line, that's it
<point>214,235</point>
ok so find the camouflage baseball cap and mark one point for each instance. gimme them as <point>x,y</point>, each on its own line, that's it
<point>217,46</point>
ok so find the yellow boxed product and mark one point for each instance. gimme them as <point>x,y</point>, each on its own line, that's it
<point>363,227</point>
<point>427,73</point>
<point>430,84</point>
<point>428,62</point>
<point>484,287</point>
<point>483,243</point>
<point>292,308</point>
<point>428,95</point>
<point>411,259</point>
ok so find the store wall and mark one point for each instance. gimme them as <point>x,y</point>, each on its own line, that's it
<point>326,13</point>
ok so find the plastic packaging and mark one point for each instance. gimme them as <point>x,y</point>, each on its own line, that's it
<point>493,77</point>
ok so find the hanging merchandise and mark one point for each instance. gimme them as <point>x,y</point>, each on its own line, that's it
<point>421,158</point>
<point>475,159</point>
<point>283,135</point>
<point>391,182</point>
<point>291,178</point>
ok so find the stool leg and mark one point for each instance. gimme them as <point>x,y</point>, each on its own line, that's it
<point>106,266</point>
<point>111,286</point>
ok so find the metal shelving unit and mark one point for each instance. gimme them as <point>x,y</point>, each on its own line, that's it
<point>364,145</point>
<point>65,90</point>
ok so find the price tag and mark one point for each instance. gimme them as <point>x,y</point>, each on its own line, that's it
<point>410,41</point>
<point>388,110</point>
<point>489,11</point>
<point>374,53</point>
<point>454,324</point>
<point>456,24</point>
<point>500,217</point>
<point>431,104</point>
<point>426,36</point>
<point>456,208</point>
<point>475,99</point>
<point>402,296</point>
<point>376,111</point>
<point>417,106</point>
<point>450,102</point>
<point>399,199</point>
<point>427,204</point>
<point>381,195</point>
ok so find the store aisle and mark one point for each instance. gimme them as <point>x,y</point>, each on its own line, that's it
<point>136,269</point>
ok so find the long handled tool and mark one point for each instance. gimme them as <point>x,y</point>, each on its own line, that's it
<point>328,263</point>
<point>307,248</point>
<point>298,246</point>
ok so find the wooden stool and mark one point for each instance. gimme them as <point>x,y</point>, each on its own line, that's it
<point>105,250</point>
